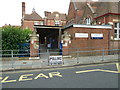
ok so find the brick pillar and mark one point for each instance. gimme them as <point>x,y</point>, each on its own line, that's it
<point>34,44</point>
<point>65,40</point>
<point>65,50</point>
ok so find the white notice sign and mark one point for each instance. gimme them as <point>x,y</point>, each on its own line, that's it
<point>81,35</point>
<point>53,60</point>
<point>96,36</point>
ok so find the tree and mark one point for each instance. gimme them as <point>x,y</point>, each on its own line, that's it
<point>12,36</point>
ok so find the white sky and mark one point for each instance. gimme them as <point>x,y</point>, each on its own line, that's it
<point>11,10</point>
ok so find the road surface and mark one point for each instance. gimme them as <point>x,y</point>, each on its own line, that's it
<point>92,76</point>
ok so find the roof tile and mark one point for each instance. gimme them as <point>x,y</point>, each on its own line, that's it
<point>33,16</point>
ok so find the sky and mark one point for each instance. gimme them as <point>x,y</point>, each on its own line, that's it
<point>11,10</point>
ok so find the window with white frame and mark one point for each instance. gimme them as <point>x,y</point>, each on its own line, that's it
<point>41,22</point>
<point>36,23</point>
<point>117,31</point>
<point>57,22</point>
<point>88,20</point>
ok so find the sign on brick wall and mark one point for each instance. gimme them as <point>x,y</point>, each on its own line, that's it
<point>81,35</point>
<point>96,36</point>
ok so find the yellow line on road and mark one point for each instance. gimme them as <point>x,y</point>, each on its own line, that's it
<point>108,71</point>
<point>96,70</point>
<point>118,67</point>
<point>87,71</point>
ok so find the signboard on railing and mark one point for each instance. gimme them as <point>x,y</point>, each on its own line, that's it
<point>55,60</point>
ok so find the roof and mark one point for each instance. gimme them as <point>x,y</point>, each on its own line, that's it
<point>78,5</point>
<point>47,27</point>
<point>33,16</point>
<point>60,16</point>
<point>107,7</point>
<point>88,26</point>
<point>99,8</point>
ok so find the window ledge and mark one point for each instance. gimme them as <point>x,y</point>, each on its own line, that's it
<point>116,39</point>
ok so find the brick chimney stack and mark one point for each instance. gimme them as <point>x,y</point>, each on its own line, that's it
<point>47,13</point>
<point>23,9</point>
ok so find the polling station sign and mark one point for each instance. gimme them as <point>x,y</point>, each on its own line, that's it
<point>55,60</point>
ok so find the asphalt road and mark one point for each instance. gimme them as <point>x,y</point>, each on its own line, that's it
<point>100,76</point>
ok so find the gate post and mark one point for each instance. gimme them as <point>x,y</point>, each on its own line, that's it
<point>34,44</point>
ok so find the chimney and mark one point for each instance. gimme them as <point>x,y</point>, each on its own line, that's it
<point>23,9</point>
<point>47,13</point>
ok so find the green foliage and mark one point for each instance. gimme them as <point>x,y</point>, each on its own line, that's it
<point>12,36</point>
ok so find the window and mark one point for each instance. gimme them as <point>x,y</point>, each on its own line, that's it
<point>57,15</point>
<point>88,20</point>
<point>117,31</point>
<point>57,22</point>
<point>36,23</point>
<point>41,22</point>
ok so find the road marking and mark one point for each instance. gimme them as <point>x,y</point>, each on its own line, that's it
<point>87,71</point>
<point>41,75</point>
<point>96,70</point>
<point>118,67</point>
<point>25,77</point>
<point>55,74</point>
<point>56,68</point>
<point>108,71</point>
<point>5,80</point>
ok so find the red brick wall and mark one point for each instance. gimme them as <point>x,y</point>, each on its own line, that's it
<point>89,44</point>
<point>33,52</point>
<point>28,24</point>
<point>71,12</point>
<point>107,18</point>
<point>50,22</point>
<point>114,44</point>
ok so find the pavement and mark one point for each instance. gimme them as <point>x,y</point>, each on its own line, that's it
<point>43,62</point>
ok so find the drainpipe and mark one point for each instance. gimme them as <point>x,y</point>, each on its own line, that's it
<point>59,38</point>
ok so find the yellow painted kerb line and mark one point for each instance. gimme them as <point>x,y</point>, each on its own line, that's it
<point>96,70</point>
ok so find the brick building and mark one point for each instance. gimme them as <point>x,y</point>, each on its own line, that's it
<point>100,13</point>
<point>29,20</point>
<point>55,19</point>
<point>51,19</point>
<point>88,19</point>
